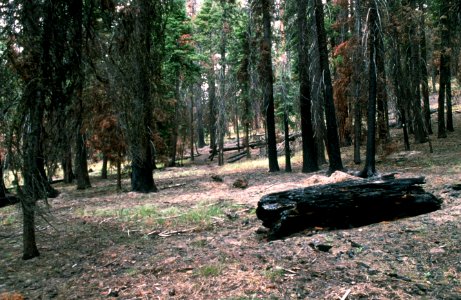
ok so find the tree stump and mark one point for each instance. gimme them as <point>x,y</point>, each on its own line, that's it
<point>345,204</point>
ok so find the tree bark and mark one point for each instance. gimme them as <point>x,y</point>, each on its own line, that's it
<point>267,79</point>
<point>370,161</point>
<point>308,142</point>
<point>333,149</point>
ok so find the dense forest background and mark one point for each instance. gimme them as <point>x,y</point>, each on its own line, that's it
<point>150,82</point>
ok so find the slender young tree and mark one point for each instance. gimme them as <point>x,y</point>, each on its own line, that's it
<point>308,142</point>
<point>333,148</point>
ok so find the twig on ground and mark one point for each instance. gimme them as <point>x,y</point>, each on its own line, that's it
<point>346,294</point>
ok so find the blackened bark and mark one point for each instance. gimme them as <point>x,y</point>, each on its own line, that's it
<point>33,181</point>
<point>308,142</point>
<point>381,97</point>
<point>344,204</point>
<point>358,70</point>
<point>267,79</point>
<point>333,149</point>
<point>104,167</point>
<point>370,161</point>
<point>318,107</point>
<point>67,165</point>
<point>81,163</point>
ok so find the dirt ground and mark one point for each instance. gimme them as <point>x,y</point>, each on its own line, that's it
<point>100,244</point>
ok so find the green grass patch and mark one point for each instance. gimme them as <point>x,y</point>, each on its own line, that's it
<point>274,274</point>
<point>209,270</point>
<point>202,214</point>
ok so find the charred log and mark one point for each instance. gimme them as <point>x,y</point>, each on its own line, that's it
<point>345,204</point>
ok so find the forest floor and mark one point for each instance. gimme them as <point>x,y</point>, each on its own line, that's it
<point>198,238</point>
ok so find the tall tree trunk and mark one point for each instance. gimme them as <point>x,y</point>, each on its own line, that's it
<point>81,163</point>
<point>200,128</point>
<point>67,164</point>
<point>381,97</point>
<point>373,31</point>
<point>444,69</point>
<point>307,132</point>
<point>2,182</point>
<point>449,102</point>
<point>286,126</point>
<point>174,134</point>
<point>33,187</point>
<point>333,149</point>
<point>415,80</point>
<point>399,90</point>
<point>104,166</point>
<point>267,79</point>
<point>212,111</point>
<point>191,127</point>
<point>140,146</point>
<point>358,70</point>
<point>424,71</point>
<point>318,107</point>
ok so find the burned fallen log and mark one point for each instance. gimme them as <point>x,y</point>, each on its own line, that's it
<point>345,204</point>
<point>8,200</point>
<point>237,157</point>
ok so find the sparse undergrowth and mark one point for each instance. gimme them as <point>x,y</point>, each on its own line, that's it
<point>199,239</point>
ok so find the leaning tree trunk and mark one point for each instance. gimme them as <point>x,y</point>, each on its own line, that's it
<point>333,148</point>
<point>305,101</point>
<point>267,79</point>
<point>370,161</point>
